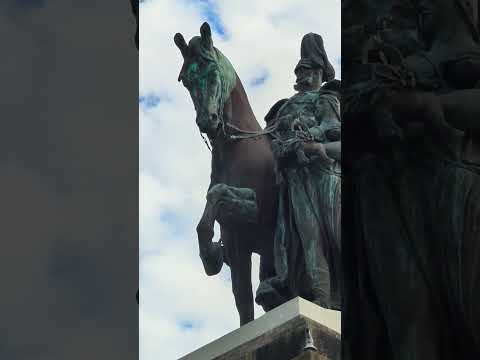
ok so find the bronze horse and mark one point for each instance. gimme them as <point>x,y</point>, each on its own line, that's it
<point>242,192</point>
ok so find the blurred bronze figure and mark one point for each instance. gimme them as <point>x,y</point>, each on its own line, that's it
<point>412,189</point>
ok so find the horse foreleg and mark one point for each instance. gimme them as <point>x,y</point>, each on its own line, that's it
<point>210,252</point>
<point>226,204</point>
<point>205,227</point>
<point>241,272</point>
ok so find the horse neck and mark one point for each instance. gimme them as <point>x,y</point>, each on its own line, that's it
<point>239,113</point>
<point>239,109</point>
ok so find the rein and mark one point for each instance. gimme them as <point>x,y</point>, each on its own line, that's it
<point>245,134</point>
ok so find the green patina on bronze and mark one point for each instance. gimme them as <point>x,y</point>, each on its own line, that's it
<point>207,69</point>
<point>307,236</point>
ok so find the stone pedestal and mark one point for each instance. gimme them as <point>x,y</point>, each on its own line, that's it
<point>280,334</point>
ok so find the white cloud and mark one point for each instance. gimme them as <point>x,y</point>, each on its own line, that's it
<point>263,37</point>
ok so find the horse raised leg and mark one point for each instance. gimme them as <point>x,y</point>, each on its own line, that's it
<point>228,205</point>
<point>233,204</point>
<point>210,252</point>
<point>233,208</point>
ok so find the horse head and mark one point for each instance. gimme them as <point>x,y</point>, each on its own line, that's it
<point>208,76</point>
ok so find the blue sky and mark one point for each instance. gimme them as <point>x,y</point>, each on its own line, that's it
<point>260,78</point>
<point>181,308</point>
<point>210,12</point>
<point>150,100</point>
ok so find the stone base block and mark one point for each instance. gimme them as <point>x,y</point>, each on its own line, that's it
<point>280,334</point>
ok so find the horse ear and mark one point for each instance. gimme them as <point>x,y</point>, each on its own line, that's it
<point>181,44</point>
<point>206,34</point>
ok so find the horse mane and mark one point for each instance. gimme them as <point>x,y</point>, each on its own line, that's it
<point>228,74</point>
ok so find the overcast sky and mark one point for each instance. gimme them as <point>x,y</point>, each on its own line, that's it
<point>181,308</point>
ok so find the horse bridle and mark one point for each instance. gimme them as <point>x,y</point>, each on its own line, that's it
<point>247,134</point>
<point>244,134</point>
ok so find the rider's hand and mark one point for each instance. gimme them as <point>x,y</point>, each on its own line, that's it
<point>316,148</point>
